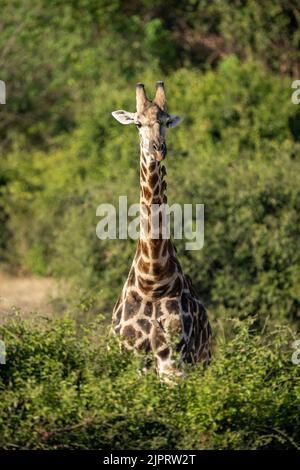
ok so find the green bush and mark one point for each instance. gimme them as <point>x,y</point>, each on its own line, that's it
<point>61,389</point>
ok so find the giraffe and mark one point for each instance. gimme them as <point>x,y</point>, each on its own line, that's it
<point>158,302</point>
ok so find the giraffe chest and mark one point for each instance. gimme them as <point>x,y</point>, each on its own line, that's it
<point>133,308</point>
<point>152,325</point>
<point>148,325</point>
<point>137,318</point>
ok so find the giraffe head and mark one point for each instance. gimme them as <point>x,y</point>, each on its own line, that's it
<point>151,119</point>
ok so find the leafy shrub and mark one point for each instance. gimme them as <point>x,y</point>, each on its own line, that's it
<point>59,389</point>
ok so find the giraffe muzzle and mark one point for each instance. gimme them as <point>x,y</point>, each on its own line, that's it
<point>160,151</point>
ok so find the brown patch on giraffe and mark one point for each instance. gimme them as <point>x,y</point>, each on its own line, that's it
<point>132,298</point>
<point>136,296</point>
<point>145,345</point>
<point>163,271</point>
<point>145,325</point>
<point>155,268</point>
<point>129,312</point>
<point>148,309</point>
<point>172,306</point>
<point>147,193</point>
<point>153,179</point>
<point>153,166</point>
<point>164,353</point>
<point>131,334</point>
<point>131,306</point>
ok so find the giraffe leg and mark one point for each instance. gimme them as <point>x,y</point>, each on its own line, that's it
<point>166,366</point>
<point>167,369</point>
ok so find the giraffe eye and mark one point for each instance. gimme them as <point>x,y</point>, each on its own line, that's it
<point>138,125</point>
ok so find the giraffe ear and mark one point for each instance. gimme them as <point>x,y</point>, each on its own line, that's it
<point>124,117</point>
<point>173,120</point>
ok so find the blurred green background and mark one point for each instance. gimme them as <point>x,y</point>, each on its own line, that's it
<point>228,68</point>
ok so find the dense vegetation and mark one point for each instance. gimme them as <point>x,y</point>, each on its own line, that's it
<point>228,68</point>
<point>59,392</point>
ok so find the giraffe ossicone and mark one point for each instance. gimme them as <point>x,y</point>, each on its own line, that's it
<point>158,302</point>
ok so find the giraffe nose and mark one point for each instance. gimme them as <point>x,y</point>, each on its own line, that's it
<point>161,148</point>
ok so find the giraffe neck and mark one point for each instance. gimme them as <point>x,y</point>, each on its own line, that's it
<point>152,189</point>
<point>153,239</point>
<point>155,262</point>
